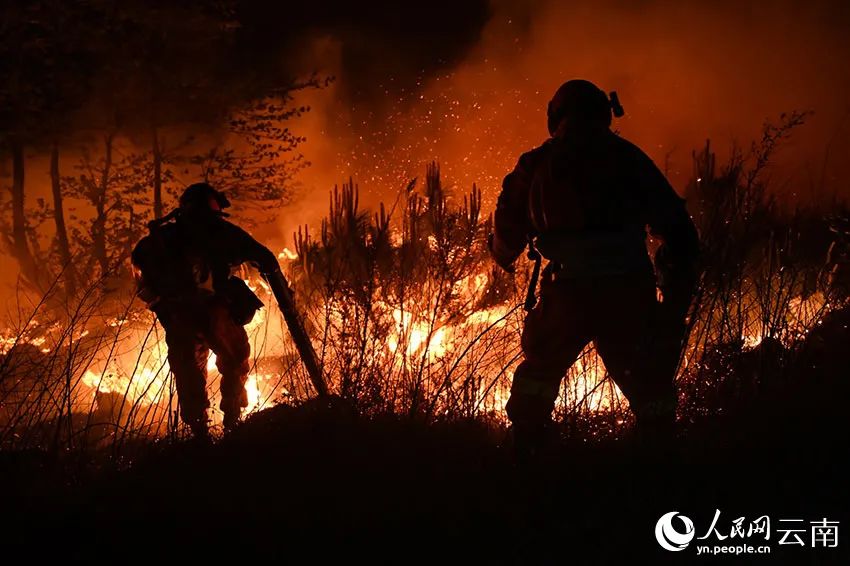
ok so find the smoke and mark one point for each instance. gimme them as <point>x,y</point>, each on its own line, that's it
<point>685,71</point>
<point>384,45</point>
<point>464,83</point>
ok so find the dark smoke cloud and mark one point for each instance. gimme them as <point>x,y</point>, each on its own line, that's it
<point>97,62</point>
<point>384,45</point>
<point>686,71</point>
<point>462,82</point>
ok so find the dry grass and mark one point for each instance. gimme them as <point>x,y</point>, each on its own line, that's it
<point>410,317</point>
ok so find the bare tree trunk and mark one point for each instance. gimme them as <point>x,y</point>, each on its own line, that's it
<point>59,221</point>
<point>98,229</point>
<point>157,175</point>
<point>19,247</point>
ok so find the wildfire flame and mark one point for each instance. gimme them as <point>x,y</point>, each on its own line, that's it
<point>140,375</point>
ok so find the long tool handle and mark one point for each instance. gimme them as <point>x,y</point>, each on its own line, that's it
<point>286,302</point>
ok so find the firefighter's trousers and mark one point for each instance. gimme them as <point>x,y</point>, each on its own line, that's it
<point>619,315</point>
<point>192,329</point>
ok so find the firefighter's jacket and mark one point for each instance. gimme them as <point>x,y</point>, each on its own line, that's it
<point>190,258</point>
<point>588,197</point>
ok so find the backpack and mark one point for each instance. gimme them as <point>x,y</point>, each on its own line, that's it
<point>168,271</point>
<point>162,269</point>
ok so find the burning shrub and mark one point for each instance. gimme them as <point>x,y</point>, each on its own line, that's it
<point>760,293</point>
<point>413,316</point>
<point>410,317</point>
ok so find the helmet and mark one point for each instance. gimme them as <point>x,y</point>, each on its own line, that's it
<point>201,197</point>
<point>581,101</point>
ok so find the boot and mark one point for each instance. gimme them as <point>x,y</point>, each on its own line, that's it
<point>657,446</point>
<point>532,441</point>
<point>656,431</point>
<point>232,409</point>
<point>200,430</point>
<point>232,418</point>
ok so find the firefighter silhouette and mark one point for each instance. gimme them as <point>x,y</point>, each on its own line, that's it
<point>585,198</point>
<point>183,271</point>
<point>837,267</point>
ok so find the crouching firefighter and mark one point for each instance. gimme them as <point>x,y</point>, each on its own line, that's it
<point>183,271</point>
<point>584,200</point>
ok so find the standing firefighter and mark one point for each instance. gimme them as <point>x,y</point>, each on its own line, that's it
<point>183,270</point>
<point>584,199</point>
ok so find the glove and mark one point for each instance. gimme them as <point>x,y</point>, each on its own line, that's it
<point>267,261</point>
